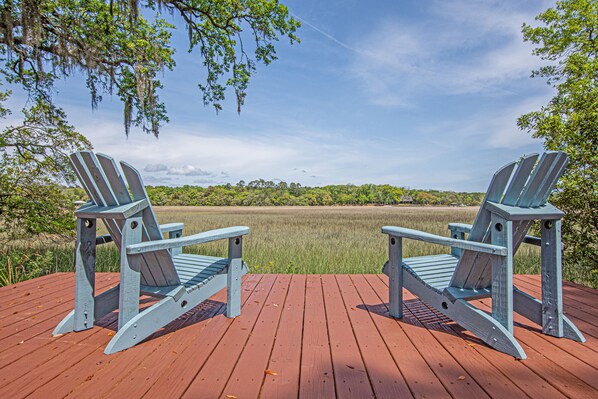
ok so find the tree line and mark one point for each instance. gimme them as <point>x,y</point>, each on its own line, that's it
<point>268,193</point>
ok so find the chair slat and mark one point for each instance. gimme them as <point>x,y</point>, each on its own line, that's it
<point>536,181</point>
<point>151,223</point>
<point>520,177</point>
<point>147,263</point>
<point>93,192</point>
<point>481,277</point>
<point>481,224</point>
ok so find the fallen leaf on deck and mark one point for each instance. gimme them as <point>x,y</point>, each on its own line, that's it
<point>461,377</point>
<point>27,294</point>
<point>274,305</point>
<point>33,317</point>
<point>472,345</point>
<point>231,396</point>
<point>22,342</point>
<point>111,333</point>
<point>351,367</point>
<point>270,372</point>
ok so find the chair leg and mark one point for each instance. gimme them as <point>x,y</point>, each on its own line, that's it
<point>502,273</point>
<point>233,277</point>
<point>480,323</point>
<point>532,309</point>
<point>395,275</point>
<point>85,264</point>
<point>552,282</point>
<point>106,302</point>
<point>160,314</point>
<point>485,327</point>
<point>130,278</point>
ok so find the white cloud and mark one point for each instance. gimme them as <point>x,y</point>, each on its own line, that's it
<point>156,167</point>
<point>188,170</point>
<point>464,48</point>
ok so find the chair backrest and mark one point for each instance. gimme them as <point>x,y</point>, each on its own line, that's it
<point>526,184</point>
<point>101,179</point>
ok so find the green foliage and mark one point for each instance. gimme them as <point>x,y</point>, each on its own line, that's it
<point>24,261</point>
<point>124,45</point>
<point>567,40</point>
<point>267,193</point>
<point>33,165</point>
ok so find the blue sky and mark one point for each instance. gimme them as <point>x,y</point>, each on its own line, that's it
<point>423,94</point>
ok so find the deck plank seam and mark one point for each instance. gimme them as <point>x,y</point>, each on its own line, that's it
<point>293,278</point>
<point>302,336</point>
<point>532,369</point>
<point>536,291</point>
<point>571,302</point>
<point>206,358</point>
<point>564,348</point>
<point>369,377</point>
<point>45,309</point>
<point>6,291</point>
<point>321,285</point>
<point>421,324</point>
<point>49,340</point>
<point>7,306</point>
<point>410,340</point>
<point>275,334</point>
<point>78,343</point>
<point>210,313</point>
<point>466,337</point>
<point>257,318</point>
<point>220,340</point>
<point>382,336</point>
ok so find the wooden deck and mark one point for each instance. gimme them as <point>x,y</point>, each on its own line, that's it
<point>298,336</point>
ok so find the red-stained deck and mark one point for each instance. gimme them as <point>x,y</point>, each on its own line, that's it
<point>298,336</point>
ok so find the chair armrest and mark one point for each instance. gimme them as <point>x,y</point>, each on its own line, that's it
<point>532,240</point>
<point>125,211</point>
<point>207,236</point>
<point>451,242</point>
<point>169,227</point>
<point>106,238</point>
<point>460,227</point>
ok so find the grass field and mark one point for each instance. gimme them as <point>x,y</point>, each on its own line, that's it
<point>325,239</point>
<point>291,239</point>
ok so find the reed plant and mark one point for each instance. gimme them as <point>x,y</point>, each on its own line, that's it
<point>314,240</point>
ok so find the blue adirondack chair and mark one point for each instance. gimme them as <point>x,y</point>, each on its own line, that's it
<point>482,265</point>
<point>149,264</point>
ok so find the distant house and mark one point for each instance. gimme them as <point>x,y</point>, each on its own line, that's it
<point>406,199</point>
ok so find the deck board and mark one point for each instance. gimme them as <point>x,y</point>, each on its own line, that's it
<point>319,336</point>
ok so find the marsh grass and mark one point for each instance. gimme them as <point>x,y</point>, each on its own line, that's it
<point>282,239</point>
<point>326,239</point>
